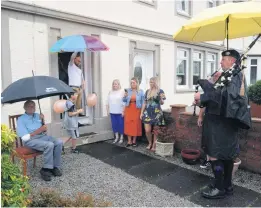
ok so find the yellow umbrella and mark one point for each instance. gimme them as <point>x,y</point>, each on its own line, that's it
<point>227,21</point>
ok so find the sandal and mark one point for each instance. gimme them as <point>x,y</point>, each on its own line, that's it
<point>149,147</point>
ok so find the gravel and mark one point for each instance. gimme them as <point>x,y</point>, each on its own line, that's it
<point>242,178</point>
<point>83,173</point>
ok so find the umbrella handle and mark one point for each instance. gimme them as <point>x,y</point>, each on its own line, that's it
<point>43,123</point>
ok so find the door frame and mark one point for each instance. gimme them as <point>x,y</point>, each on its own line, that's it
<point>145,47</point>
<point>144,75</point>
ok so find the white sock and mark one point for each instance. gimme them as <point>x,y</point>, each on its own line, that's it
<point>116,136</point>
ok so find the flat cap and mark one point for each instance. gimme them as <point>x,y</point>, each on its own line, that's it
<point>232,53</point>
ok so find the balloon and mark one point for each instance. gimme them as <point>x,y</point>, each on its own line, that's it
<point>91,100</point>
<point>59,106</point>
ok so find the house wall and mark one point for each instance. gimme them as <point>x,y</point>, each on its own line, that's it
<point>26,41</point>
<point>154,32</point>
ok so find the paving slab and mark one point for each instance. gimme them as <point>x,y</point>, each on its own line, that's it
<point>242,198</point>
<point>128,160</point>
<point>102,150</point>
<point>153,170</point>
<point>183,182</point>
<point>168,176</point>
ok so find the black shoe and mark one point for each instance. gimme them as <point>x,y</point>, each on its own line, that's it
<point>205,164</point>
<point>63,152</point>
<point>45,174</point>
<point>229,190</point>
<point>128,145</point>
<point>75,151</point>
<point>56,172</point>
<point>214,193</point>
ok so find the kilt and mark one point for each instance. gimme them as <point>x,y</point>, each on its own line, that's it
<point>220,137</point>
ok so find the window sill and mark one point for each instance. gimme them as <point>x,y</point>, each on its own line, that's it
<point>184,14</point>
<point>187,90</point>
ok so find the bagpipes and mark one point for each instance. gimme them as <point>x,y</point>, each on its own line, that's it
<point>226,76</point>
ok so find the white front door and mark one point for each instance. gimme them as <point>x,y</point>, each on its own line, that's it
<point>143,68</point>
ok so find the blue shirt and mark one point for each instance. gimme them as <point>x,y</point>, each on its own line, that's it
<point>27,124</point>
<point>139,98</point>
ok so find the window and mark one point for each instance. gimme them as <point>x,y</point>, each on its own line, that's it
<point>197,66</point>
<point>194,63</point>
<point>211,63</point>
<point>182,67</point>
<point>253,71</point>
<point>212,3</point>
<point>183,7</point>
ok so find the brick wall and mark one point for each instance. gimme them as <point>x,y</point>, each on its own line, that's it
<point>188,135</point>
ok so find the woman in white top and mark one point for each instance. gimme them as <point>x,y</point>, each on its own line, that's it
<point>115,109</point>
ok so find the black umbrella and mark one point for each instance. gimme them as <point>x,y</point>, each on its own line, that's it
<point>35,87</point>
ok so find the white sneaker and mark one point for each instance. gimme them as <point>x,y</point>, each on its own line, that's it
<point>115,140</point>
<point>121,140</point>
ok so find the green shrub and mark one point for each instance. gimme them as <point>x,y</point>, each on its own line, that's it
<point>51,198</point>
<point>7,139</point>
<point>254,93</point>
<point>15,187</point>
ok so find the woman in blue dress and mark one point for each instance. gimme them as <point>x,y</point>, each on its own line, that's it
<point>151,112</point>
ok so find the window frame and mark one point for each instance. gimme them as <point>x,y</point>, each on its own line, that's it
<point>202,60</point>
<point>215,3</point>
<point>187,59</point>
<point>211,61</point>
<point>253,65</point>
<point>189,87</point>
<point>182,12</point>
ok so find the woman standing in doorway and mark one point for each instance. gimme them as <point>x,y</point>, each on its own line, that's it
<point>151,112</point>
<point>115,110</point>
<point>133,100</point>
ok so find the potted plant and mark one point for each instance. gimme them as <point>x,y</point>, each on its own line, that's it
<point>254,93</point>
<point>165,140</point>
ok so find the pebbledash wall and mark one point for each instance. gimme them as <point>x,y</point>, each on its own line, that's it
<point>188,135</point>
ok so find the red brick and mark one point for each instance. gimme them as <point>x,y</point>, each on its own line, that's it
<point>252,152</point>
<point>188,134</point>
<point>254,165</point>
<point>255,157</point>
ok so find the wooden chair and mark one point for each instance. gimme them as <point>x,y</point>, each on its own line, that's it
<point>24,153</point>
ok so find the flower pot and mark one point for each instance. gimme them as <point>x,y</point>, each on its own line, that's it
<point>190,156</point>
<point>164,149</point>
<point>237,162</point>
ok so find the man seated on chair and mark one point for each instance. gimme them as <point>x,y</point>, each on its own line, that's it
<point>33,135</point>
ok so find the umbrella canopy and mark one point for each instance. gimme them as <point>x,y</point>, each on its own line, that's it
<point>227,21</point>
<point>79,43</point>
<point>32,88</point>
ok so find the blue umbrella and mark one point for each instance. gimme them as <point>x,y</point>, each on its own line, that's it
<point>78,43</point>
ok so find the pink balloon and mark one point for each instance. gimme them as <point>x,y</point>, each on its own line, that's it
<point>91,100</point>
<point>59,106</point>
